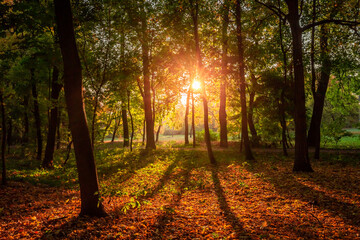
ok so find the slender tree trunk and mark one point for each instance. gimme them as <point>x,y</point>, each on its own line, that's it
<point>244,124</point>
<point>58,134</point>
<point>158,132</point>
<point>9,134</point>
<point>93,122</point>
<point>88,179</point>
<point>223,83</point>
<point>117,123</point>
<point>3,140</point>
<point>312,51</point>
<point>254,136</point>
<point>194,14</point>
<point>25,138</point>
<point>50,145</point>
<point>125,126</point>
<point>107,127</point>
<point>302,161</point>
<point>187,116</point>
<point>131,120</point>
<point>320,93</point>
<point>150,140</point>
<point>282,94</point>
<point>193,118</point>
<point>37,116</point>
<point>144,132</point>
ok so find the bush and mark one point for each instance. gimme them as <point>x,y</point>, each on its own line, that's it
<point>200,136</point>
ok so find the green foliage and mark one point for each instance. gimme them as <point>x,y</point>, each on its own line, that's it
<point>200,136</point>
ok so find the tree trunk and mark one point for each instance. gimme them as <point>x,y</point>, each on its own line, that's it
<point>107,127</point>
<point>254,136</point>
<point>194,15</point>
<point>223,81</point>
<point>319,97</point>
<point>25,138</point>
<point>187,116</point>
<point>150,140</point>
<point>58,134</point>
<point>88,179</point>
<point>282,94</point>
<point>9,134</point>
<point>125,126</point>
<point>117,123</point>
<point>302,161</point>
<point>3,140</point>
<point>193,118</point>
<point>37,116</point>
<point>50,145</point>
<point>131,120</point>
<point>93,122</point>
<point>158,132</point>
<point>244,124</point>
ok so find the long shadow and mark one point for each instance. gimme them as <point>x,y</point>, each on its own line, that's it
<point>229,216</point>
<point>287,186</point>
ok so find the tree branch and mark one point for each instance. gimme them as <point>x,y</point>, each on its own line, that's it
<point>336,21</point>
<point>274,9</point>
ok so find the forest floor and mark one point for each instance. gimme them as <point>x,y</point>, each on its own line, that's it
<point>174,193</point>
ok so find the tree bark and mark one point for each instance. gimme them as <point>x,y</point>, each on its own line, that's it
<point>223,81</point>
<point>254,136</point>
<point>302,161</point>
<point>194,15</point>
<point>187,116</point>
<point>50,145</point>
<point>117,123</point>
<point>131,120</point>
<point>25,138</point>
<point>125,126</point>
<point>93,122</point>
<point>88,179</point>
<point>320,93</point>
<point>150,140</point>
<point>244,124</point>
<point>9,134</point>
<point>193,118</point>
<point>3,140</point>
<point>58,134</point>
<point>37,116</point>
<point>158,132</point>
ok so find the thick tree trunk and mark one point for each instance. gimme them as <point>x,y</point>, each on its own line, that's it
<point>88,179</point>
<point>319,97</point>
<point>244,124</point>
<point>3,140</point>
<point>187,115</point>
<point>125,126</point>
<point>50,145</point>
<point>224,71</point>
<point>150,140</point>
<point>302,161</point>
<point>37,116</point>
<point>194,14</point>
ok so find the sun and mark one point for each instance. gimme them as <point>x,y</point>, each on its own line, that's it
<point>196,85</point>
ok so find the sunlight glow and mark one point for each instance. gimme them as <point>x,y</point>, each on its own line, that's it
<point>196,85</point>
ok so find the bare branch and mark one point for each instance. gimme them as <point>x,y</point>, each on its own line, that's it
<point>336,21</point>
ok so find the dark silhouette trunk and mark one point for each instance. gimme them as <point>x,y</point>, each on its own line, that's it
<point>116,125</point>
<point>193,119</point>
<point>187,116</point>
<point>93,122</point>
<point>158,132</point>
<point>3,140</point>
<point>58,134</point>
<point>25,138</point>
<point>302,161</point>
<point>144,132</point>
<point>131,120</point>
<point>150,140</point>
<point>88,179</point>
<point>107,127</point>
<point>224,71</point>
<point>194,15</point>
<point>320,93</point>
<point>37,116</point>
<point>244,124</point>
<point>312,50</point>
<point>254,136</point>
<point>282,94</point>
<point>125,126</point>
<point>50,144</point>
<point>9,134</point>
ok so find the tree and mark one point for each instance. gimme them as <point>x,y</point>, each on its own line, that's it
<point>89,186</point>
<point>244,124</point>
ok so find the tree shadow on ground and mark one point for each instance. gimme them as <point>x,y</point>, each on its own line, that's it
<point>229,216</point>
<point>289,187</point>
